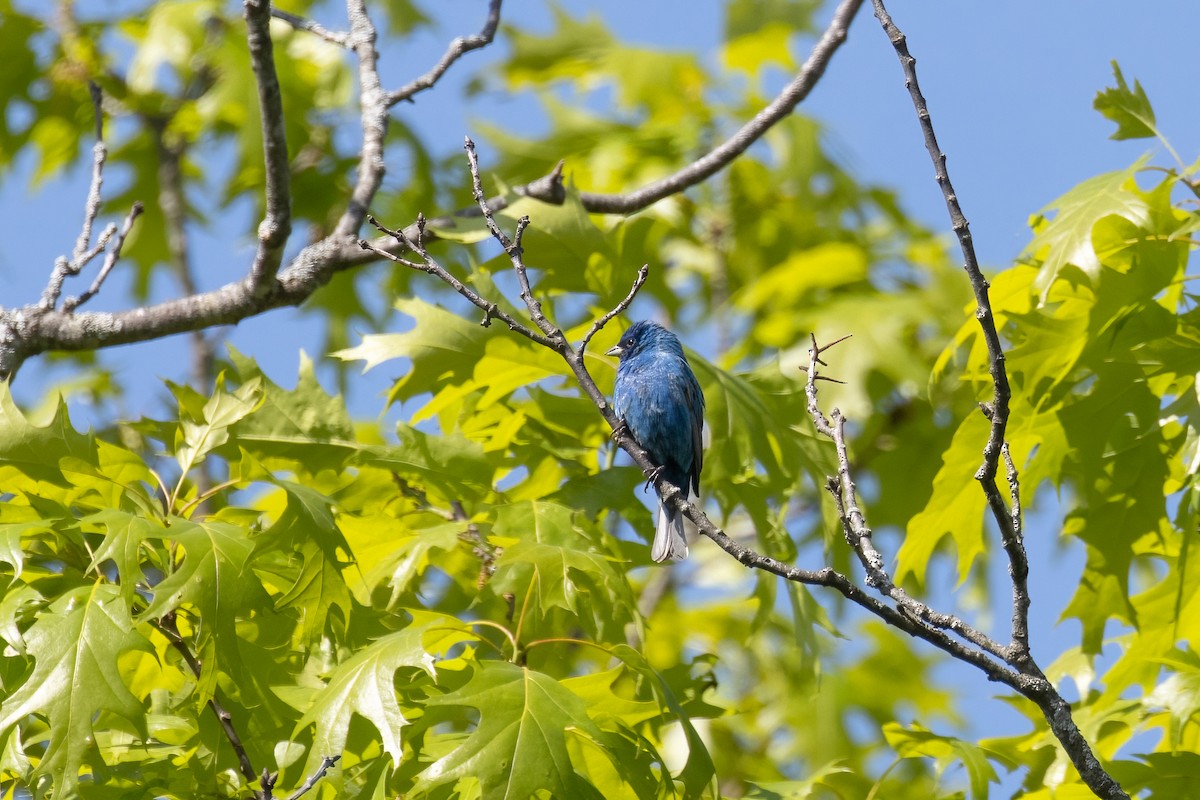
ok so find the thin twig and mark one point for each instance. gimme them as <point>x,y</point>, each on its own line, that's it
<point>1018,561</point>
<point>326,763</point>
<point>854,524</point>
<point>1002,393</point>
<point>619,308</point>
<point>83,253</point>
<point>167,625</point>
<point>1056,710</point>
<point>485,551</point>
<point>315,28</point>
<point>276,225</point>
<point>515,254</point>
<point>99,155</point>
<point>459,47</point>
<point>110,260</point>
<point>430,265</point>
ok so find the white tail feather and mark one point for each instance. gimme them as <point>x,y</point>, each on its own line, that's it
<point>670,543</point>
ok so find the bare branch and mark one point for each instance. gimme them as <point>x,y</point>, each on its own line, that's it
<point>167,625</point>
<point>456,50</point>
<point>99,155</point>
<point>326,763</point>
<point>748,134</point>
<point>854,523</point>
<point>619,308</point>
<point>374,120</point>
<point>316,29</point>
<point>513,248</point>
<point>84,252</point>
<point>1018,562</point>
<point>430,265</point>
<point>110,261</point>
<point>1056,710</point>
<point>987,322</point>
<point>276,226</point>
<point>29,330</point>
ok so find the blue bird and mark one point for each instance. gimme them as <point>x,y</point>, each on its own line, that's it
<point>658,399</point>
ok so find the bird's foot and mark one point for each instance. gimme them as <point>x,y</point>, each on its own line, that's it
<point>652,477</point>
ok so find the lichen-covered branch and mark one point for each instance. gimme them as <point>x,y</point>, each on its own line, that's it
<point>373,118</point>
<point>276,225</point>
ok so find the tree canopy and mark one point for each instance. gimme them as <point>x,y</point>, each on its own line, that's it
<point>267,589</point>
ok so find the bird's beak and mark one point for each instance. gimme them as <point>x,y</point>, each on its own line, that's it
<point>615,350</point>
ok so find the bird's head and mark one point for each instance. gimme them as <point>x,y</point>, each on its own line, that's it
<point>645,336</point>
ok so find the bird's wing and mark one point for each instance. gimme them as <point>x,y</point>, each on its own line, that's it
<point>695,403</point>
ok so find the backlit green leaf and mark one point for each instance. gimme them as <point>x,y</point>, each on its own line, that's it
<point>75,646</point>
<point>520,745</point>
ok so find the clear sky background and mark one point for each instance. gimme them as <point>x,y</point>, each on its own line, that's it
<point>1010,87</point>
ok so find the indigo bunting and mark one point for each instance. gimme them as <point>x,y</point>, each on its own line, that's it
<point>658,399</point>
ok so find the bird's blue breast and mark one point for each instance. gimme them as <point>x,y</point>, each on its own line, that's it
<point>659,399</point>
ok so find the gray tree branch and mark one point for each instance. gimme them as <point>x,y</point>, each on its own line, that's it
<point>373,118</point>
<point>1056,710</point>
<point>907,615</point>
<point>30,330</point>
<point>276,226</point>
<point>1021,673</point>
<point>300,23</point>
<point>456,50</point>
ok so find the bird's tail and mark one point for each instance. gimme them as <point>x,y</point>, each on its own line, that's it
<point>670,543</point>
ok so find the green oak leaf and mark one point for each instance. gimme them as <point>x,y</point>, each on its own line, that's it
<point>913,741</point>
<point>125,534</point>
<point>305,424</point>
<point>364,684</point>
<point>307,530</point>
<point>215,581</point>
<point>30,453</point>
<point>799,790</point>
<point>1129,108</point>
<point>390,550</point>
<point>955,507</point>
<point>1066,238</point>
<point>452,356</point>
<point>195,440</point>
<point>1179,694</point>
<point>453,464</point>
<point>549,550</point>
<point>520,745</point>
<point>76,645</point>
